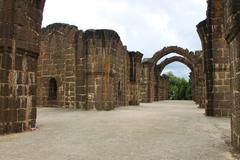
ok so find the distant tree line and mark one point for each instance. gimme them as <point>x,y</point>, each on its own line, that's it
<point>179,88</point>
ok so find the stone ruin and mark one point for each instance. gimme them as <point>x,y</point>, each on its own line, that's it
<point>63,66</point>
<point>88,70</point>
<point>93,70</point>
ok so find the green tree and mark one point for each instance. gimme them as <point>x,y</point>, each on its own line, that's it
<point>179,88</point>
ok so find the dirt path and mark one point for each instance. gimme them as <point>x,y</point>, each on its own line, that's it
<point>168,130</point>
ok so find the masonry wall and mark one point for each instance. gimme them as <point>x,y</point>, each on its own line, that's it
<point>200,80</point>
<point>146,83</point>
<point>217,66</point>
<point>160,86</point>
<point>202,31</point>
<point>58,61</point>
<point>232,35</point>
<point>20,23</point>
<point>135,77</point>
<point>163,88</point>
<point>93,69</point>
<point>235,79</point>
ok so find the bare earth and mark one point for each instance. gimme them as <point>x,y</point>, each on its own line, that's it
<point>168,130</point>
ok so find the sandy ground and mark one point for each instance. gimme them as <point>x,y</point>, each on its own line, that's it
<point>168,130</point>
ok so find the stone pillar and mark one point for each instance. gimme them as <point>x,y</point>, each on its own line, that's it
<point>99,46</point>
<point>120,65</point>
<point>163,88</point>
<point>191,76</point>
<point>217,64</point>
<point>200,78</point>
<point>232,32</point>
<point>202,31</point>
<point>156,84</point>
<point>134,77</point>
<point>20,25</point>
<point>147,85</point>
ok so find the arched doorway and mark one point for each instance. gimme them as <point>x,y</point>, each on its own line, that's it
<point>52,91</point>
<point>151,67</point>
<point>177,88</point>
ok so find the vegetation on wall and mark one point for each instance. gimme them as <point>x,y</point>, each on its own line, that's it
<point>179,88</point>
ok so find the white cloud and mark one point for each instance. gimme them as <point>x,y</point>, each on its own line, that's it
<point>178,69</point>
<point>201,2</point>
<point>146,25</point>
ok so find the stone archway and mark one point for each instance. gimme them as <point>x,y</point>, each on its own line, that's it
<point>151,64</point>
<point>168,61</point>
<point>19,48</point>
<point>171,49</point>
<point>160,67</point>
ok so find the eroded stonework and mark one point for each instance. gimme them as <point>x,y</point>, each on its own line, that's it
<point>20,24</point>
<point>152,81</point>
<point>219,35</point>
<point>91,70</point>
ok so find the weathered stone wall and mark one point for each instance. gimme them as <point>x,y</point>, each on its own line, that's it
<point>220,39</point>
<point>20,23</point>
<point>160,85</point>
<point>135,76</point>
<point>156,85</point>
<point>202,31</point>
<point>57,60</point>
<point>217,66</point>
<point>146,82</point>
<point>100,45</point>
<point>151,80</point>
<point>163,88</point>
<point>200,89</point>
<point>93,70</point>
<point>232,35</point>
<point>235,88</point>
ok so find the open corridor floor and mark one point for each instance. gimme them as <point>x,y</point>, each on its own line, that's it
<point>167,130</point>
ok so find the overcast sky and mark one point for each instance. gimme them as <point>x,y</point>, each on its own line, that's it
<point>143,25</point>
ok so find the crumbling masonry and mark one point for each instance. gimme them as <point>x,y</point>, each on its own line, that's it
<point>89,70</point>
<point>93,70</point>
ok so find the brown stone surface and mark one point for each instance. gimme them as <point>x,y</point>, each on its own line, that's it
<point>20,23</point>
<point>232,35</point>
<point>219,35</point>
<point>154,87</point>
<point>216,59</point>
<point>93,70</point>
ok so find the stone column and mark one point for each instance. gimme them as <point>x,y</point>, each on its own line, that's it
<point>165,87</point>
<point>20,24</point>
<point>232,32</point>
<point>156,84</point>
<point>99,47</point>
<point>202,31</point>
<point>148,81</point>
<point>201,80</point>
<point>144,85</point>
<point>217,64</point>
<point>135,76</point>
<point>193,86</point>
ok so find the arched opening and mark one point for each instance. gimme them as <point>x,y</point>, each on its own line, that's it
<point>52,91</point>
<point>179,82</point>
<point>158,85</point>
<point>170,50</point>
<point>119,89</point>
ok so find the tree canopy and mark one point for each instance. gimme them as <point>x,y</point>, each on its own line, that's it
<point>179,88</point>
